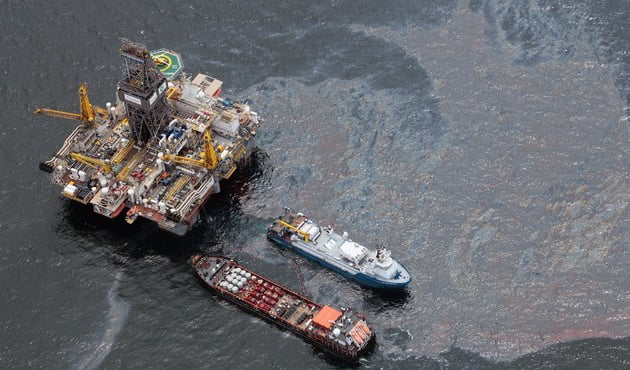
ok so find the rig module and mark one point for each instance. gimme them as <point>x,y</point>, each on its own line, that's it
<point>160,150</point>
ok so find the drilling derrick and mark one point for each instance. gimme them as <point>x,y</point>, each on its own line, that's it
<point>143,91</point>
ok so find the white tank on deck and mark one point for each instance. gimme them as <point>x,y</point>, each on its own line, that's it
<point>102,180</point>
<point>123,142</point>
<point>132,195</point>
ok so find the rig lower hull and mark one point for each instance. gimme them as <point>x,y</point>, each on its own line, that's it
<point>178,226</point>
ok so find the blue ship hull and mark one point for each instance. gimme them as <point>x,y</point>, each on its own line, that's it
<point>361,278</point>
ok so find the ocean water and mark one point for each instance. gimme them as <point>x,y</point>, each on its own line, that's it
<point>484,142</point>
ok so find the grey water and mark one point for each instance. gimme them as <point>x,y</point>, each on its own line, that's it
<point>484,142</point>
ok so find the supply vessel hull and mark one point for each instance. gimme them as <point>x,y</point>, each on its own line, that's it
<point>343,333</point>
<point>371,268</point>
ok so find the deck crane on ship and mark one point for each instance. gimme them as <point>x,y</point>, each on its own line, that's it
<point>370,268</point>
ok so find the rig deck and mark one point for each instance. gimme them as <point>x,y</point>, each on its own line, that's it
<point>161,150</point>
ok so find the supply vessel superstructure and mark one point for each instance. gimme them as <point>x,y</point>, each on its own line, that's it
<point>370,268</point>
<point>160,150</point>
<point>343,333</point>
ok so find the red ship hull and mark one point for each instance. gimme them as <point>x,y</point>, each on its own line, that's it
<point>309,319</point>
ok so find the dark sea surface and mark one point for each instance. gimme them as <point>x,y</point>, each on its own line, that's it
<point>484,142</point>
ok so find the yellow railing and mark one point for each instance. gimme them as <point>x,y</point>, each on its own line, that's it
<point>122,153</point>
<point>177,186</point>
<point>132,163</point>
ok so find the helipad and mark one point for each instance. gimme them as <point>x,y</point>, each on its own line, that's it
<point>168,62</point>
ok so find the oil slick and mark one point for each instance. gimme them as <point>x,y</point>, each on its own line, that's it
<point>114,322</point>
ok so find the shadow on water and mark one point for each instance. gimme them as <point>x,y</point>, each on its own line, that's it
<point>88,229</point>
<point>343,364</point>
<point>382,299</point>
<point>253,175</point>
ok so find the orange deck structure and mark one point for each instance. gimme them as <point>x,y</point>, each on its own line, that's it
<point>326,317</point>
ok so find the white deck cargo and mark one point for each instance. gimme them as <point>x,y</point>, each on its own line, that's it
<point>353,251</point>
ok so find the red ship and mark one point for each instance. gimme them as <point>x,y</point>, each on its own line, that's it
<point>343,333</point>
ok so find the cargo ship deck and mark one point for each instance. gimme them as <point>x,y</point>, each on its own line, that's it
<point>343,333</point>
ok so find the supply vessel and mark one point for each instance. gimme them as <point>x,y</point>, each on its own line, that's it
<point>370,268</point>
<point>160,150</point>
<point>343,333</point>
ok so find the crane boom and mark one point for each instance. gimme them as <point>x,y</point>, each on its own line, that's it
<point>287,225</point>
<point>87,112</point>
<point>92,162</point>
<point>211,155</point>
<point>58,114</point>
<point>185,161</point>
<point>86,109</point>
<point>209,161</point>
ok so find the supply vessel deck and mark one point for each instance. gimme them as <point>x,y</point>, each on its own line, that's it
<point>343,333</point>
<point>370,268</point>
<point>160,150</point>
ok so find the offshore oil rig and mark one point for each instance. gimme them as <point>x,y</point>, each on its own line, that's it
<point>160,150</point>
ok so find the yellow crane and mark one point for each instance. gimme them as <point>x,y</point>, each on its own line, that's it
<point>209,155</point>
<point>92,162</point>
<point>288,225</point>
<point>87,111</point>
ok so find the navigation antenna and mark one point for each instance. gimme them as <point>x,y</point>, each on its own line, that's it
<point>379,250</point>
<point>143,91</point>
